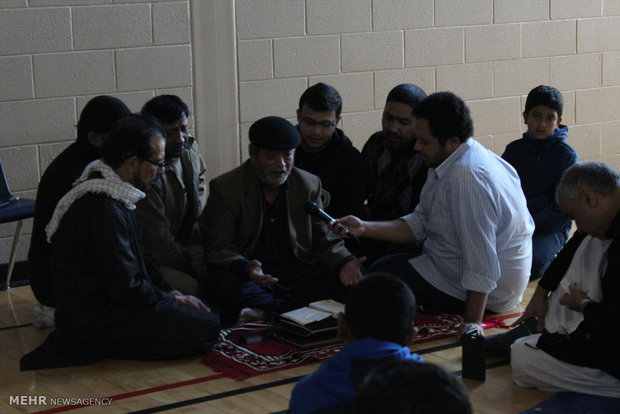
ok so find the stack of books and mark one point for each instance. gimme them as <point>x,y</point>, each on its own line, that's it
<point>312,325</point>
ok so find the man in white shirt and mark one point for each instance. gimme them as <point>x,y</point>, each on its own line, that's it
<point>472,220</point>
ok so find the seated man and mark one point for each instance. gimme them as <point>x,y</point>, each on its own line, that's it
<point>395,170</point>
<point>96,119</point>
<point>265,253</point>
<point>168,215</point>
<point>110,301</point>
<point>408,387</point>
<point>327,152</point>
<point>577,301</point>
<point>378,323</point>
<point>472,218</point>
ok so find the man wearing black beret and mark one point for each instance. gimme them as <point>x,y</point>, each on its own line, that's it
<point>266,255</point>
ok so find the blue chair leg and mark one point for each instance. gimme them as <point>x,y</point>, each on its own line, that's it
<point>18,234</point>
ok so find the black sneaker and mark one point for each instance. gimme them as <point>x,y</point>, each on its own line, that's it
<point>499,345</point>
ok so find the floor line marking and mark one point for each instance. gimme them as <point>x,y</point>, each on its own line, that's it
<point>136,393</point>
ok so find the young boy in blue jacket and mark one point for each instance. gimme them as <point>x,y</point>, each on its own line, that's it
<point>540,158</point>
<point>378,321</point>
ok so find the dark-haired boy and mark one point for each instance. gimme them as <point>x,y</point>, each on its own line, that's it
<point>327,152</point>
<point>378,322</point>
<point>540,157</point>
<point>168,215</point>
<point>408,387</point>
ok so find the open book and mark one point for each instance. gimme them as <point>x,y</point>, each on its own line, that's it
<point>314,312</point>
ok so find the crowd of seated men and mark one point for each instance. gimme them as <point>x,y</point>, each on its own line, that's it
<point>131,260</point>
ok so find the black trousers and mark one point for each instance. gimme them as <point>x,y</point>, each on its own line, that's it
<point>426,295</point>
<point>297,286</point>
<point>166,330</point>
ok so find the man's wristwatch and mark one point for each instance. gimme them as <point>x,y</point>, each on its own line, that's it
<point>583,304</point>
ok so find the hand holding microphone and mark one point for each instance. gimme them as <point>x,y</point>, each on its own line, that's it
<point>313,209</point>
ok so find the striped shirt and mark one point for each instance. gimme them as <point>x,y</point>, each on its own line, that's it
<point>476,228</point>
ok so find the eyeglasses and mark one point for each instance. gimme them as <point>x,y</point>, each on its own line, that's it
<point>157,163</point>
<point>323,124</point>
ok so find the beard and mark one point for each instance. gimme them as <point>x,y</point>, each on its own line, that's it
<point>274,178</point>
<point>175,151</point>
<point>396,142</point>
<point>140,184</point>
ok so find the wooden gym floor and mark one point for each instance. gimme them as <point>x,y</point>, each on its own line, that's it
<point>187,386</point>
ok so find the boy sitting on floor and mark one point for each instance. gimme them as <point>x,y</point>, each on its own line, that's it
<point>540,158</point>
<point>378,322</point>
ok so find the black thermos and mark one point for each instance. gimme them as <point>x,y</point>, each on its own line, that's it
<point>474,363</point>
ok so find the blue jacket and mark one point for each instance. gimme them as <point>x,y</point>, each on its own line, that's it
<point>336,381</point>
<point>540,165</point>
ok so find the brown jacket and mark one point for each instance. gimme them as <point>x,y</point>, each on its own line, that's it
<point>231,221</point>
<point>161,213</point>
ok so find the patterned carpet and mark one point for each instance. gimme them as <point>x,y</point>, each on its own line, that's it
<point>237,360</point>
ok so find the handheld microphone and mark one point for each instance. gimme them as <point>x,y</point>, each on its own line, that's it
<point>313,209</point>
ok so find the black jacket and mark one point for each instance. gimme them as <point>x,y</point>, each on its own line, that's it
<point>56,182</point>
<point>110,300</point>
<point>341,170</point>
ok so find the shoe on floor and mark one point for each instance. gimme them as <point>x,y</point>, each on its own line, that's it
<point>499,345</point>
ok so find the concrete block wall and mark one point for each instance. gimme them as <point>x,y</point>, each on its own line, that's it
<point>57,54</point>
<point>490,52</point>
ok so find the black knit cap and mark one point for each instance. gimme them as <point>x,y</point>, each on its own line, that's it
<point>99,114</point>
<point>274,133</point>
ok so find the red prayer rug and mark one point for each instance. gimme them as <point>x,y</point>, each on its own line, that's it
<point>231,357</point>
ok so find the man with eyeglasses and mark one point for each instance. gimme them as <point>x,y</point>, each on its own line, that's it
<point>327,152</point>
<point>395,170</point>
<point>111,302</point>
<point>266,254</point>
<point>169,214</point>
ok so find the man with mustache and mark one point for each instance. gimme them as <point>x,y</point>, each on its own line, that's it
<point>266,254</point>
<point>168,216</point>
<point>395,171</point>
<point>472,221</point>
<point>575,305</point>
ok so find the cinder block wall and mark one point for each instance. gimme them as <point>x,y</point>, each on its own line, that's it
<point>490,52</point>
<point>57,54</point>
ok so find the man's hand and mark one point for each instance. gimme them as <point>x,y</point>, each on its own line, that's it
<point>468,326</point>
<point>573,298</point>
<point>350,273</point>
<point>537,308</point>
<point>475,303</point>
<point>256,275</point>
<point>352,223</point>
<point>192,301</point>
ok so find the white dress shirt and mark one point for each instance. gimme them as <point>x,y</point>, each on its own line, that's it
<point>476,228</point>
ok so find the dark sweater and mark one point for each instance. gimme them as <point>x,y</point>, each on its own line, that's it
<point>540,165</point>
<point>394,179</point>
<point>341,170</point>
